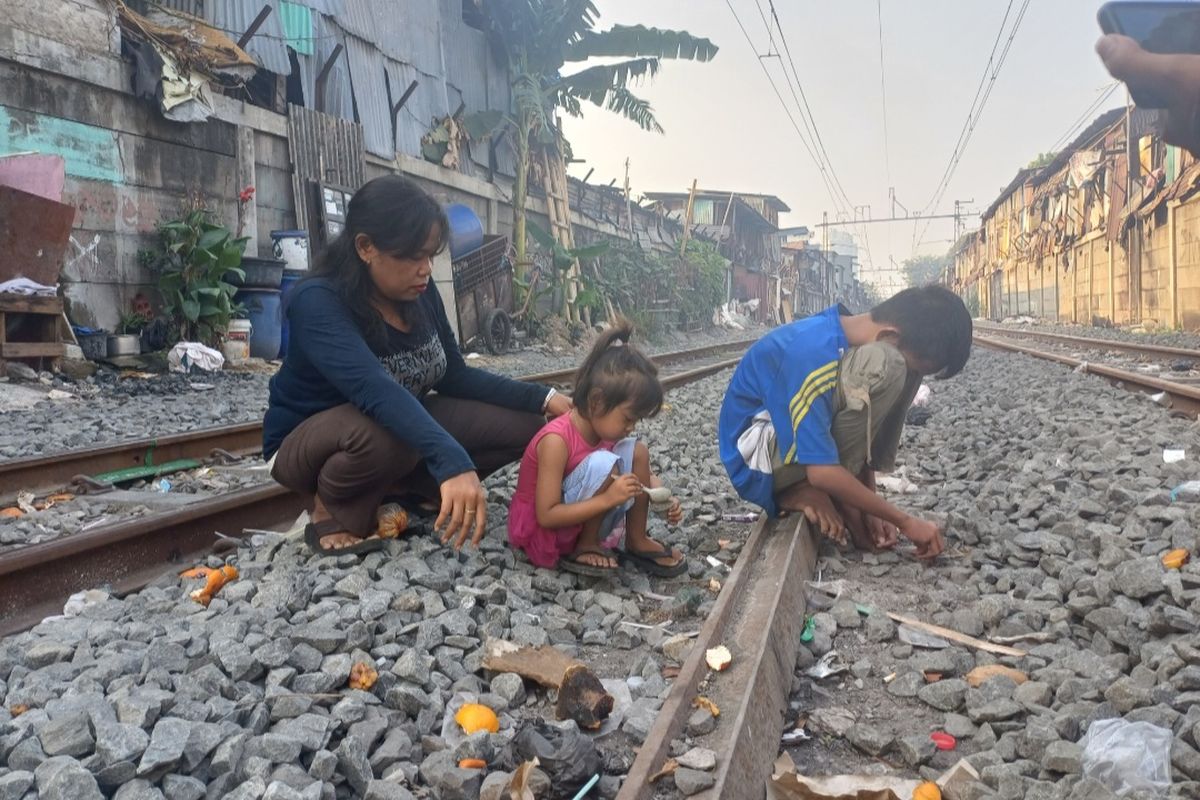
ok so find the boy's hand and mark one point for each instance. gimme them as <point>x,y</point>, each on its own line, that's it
<point>675,512</point>
<point>622,489</point>
<point>926,535</point>
<point>884,535</point>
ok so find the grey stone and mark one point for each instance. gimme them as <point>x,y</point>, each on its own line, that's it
<point>251,789</point>
<point>833,720</point>
<point>167,743</point>
<point>64,778</point>
<point>1033,694</point>
<point>14,785</point>
<point>397,746</point>
<point>639,719</point>
<point>907,684</point>
<point>311,730</point>
<point>387,790</point>
<point>845,614</point>
<point>944,695</point>
<point>413,666</point>
<point>495,786</point>
<point>692,781</point>
<point>958,726</point>
<point>116,775</point>
<point>138,790</point>
<point>701,722</point>
<point>698,758</point>
<point>995,711</point>
<point>228,755</point>
<point>323,766</point>
<point>1062,757</point>
<point>1139,578</point>
<point>916,749</point>
<point>203,739</point>
<point>275,748</point>
<point>278,790</point>
<point>118,741</point>
<point>880,627</point>
<point>354,764</point>
<point>322,638</point>
<point>27,755</point>
<point>69,735</point>
<point>1126,694</point>
<point>510,686</point>
<point>440,771</point>
<point>870,738</point>
<point>1185,758</point>
<point>46,652</point>
<point>182,787</point>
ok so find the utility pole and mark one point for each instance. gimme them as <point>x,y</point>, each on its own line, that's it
<point>960,227</point>
<point>628,207</point>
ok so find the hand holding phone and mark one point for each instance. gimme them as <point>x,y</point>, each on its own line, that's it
<point>1166,28</point>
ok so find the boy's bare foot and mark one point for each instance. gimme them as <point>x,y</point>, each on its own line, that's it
<point>817,506</point>
<point>856,525</point>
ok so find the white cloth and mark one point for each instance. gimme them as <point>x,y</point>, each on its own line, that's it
<point>24,286</point>
<point>186,355</point>
<point>584,482</point>
<point>756,443</point>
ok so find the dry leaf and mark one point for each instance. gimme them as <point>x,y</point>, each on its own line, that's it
<point>363,676</point>
<point>714,585</point>
<point>518,787</point>
<point>1175,559</point>
<point>708,705</point>
<point>718,658</point>
<point>18,710</point>
<point>981,675</point>
<point>213,583</point>
<point>668,769</point>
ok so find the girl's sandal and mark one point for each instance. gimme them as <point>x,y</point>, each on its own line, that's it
<point>572,563</point>
<point>648,561</point>
<point>315,530</point>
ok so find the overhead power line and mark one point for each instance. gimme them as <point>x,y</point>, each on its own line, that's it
<point>1085,117</point>
<point>887,156</point>
<point>987,83</point>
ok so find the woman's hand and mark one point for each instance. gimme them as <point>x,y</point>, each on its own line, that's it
<point>559,404</point>
<point>464,505</point>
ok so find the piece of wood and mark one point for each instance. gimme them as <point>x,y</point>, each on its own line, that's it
<point>955,636</point>
<point>581,697</point>
<point>546,665</point>
<point>33,350</point>
<point>27,304</point>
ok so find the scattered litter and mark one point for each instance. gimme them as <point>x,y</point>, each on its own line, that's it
<point>724,543</point>
<point>12,512</point>
<point>163,485</point>
<point>196,572</point>
<point>1188,491</point>
<point>201,387</point>
<point>472,763</point>
<point>927,791</point>
<point>581,695</point>
<point>1175,559</point>
<point>587,787</point>
<point>716,563</point>
<point>59,394</point>
<point>718,658</point>
<point>25,502</point>
<point>24,286</point>
<point>1082,368</point>
<point>668,769</point>
<point>714,585</point>
<point>981,675</point>
<point>810,629</point>
<point>931,676</point>
<point>922,396</point>
<point>97,522</point>
<point>787,784</point>
<point>18,709</point>
<point>1128,756</point>
<point>565,754</point>
<point>943,740</point>
<point>896,484</point>
<point>186,355</point>
<point>1161,399</point>
<point>363,676</point>
<point>744,517</point>
<point>518,785</point>
<point>213,583</point>
<point>1170,455</point>
<point>707,705</point>
<point>946,633</point>
<point>828,666</point>
<point>795,736</point>
<point>473,356</point>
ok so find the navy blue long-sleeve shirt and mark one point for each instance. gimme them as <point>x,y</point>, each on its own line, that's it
<point>329,363</point>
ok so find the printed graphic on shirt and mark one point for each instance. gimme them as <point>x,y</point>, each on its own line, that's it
<point>419,368</point>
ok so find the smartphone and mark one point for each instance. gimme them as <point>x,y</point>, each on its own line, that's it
<point>1167,26</point>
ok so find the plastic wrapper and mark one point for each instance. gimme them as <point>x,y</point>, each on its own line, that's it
<point>567,755</point>
<point>1128,756</point>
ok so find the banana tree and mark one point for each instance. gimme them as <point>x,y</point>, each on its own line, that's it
<point>537,39</point>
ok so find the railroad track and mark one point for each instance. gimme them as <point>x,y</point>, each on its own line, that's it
<point>36,580</point>
<point>1178,396</point>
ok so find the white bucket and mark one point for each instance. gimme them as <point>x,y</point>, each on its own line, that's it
<point>292,247</point>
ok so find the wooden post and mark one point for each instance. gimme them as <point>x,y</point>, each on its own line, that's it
<point>254,26</point>
<point>628,206</point>
<point>1173,274</point>
<point>687,220</point>
<point>248,212</point>
<point>323,76</point>
<point>1112,286</point>
<point>1087,320</point>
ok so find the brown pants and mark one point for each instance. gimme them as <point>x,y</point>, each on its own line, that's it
<point>351,462</point>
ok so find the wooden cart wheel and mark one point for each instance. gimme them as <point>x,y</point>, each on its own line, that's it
<point>497,331</point>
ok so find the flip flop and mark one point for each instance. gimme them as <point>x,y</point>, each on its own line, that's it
<point>572,564</point>
<point>315,530</point>
<point>648,562</point>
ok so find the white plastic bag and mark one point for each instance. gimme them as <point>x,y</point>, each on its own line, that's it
<point>186,355</point>
<point>922,396</point>
<point>1128,756</point>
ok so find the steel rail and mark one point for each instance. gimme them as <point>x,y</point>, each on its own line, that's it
<point>1183,397</point>
<point>1139,348</point>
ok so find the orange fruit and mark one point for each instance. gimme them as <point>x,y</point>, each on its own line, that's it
<point>927,791</point>
<point>473,717</point>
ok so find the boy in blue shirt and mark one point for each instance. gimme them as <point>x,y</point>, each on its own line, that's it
<point>817,406</point>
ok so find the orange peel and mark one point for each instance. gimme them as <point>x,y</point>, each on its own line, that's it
<point>363,676</point>
<point>213,583</point>
<point>475,717</point>
<point>1176,558</point>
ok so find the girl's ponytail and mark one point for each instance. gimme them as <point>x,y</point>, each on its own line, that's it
<point>615,372</point>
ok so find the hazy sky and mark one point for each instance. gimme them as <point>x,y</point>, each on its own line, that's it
<point>725,127</point>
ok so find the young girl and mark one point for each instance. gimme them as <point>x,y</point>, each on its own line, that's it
<point>583,477</point>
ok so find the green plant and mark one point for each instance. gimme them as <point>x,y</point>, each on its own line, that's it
<point>536,40</point>
<point>133,322</point>
<point>562,259</point>
<point>194,258</point>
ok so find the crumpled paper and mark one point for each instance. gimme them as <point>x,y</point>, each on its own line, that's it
<point>186,355</point>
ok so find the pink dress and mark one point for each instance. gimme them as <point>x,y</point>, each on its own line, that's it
<point>545,546</point>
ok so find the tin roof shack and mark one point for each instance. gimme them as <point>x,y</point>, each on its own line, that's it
<point>746,230</point>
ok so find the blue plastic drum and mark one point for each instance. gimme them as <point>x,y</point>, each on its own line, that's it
<point>262,309</point>
<point>466,231</point>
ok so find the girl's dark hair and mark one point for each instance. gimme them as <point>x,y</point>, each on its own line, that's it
<point>615,373</point>
<point>397,216</point>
